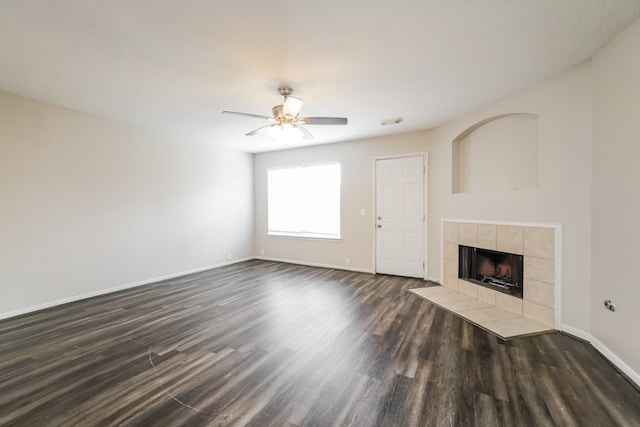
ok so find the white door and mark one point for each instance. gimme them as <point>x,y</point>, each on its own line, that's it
<point>400,216</point>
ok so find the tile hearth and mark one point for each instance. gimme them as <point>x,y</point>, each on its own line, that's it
<point>502,323</point>
<point>507,316</point>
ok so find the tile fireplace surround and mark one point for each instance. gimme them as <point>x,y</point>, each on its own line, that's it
<point>499,313</point>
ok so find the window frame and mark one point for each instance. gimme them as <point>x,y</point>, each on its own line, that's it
<point>306,234</point>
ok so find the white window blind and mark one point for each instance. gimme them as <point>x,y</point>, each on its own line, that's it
<point>304,201</point>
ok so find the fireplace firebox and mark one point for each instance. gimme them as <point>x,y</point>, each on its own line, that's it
<point>495,270</point>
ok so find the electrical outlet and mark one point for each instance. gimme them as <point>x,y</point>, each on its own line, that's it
<point>347,261</point>
<point>262,252</point>
<point>229,256</point>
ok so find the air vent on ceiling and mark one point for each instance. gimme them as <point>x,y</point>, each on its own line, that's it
<point>393,121</point>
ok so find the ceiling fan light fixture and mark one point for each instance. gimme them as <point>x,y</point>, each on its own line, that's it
<point>291,106</point>
<point>287,126</point>
<point>285,132</point>
<point>274,132</point>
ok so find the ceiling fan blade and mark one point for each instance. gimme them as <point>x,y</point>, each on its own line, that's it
<point>259,130</point>
<point>255,116</point>
<point>323,120</point>
<point>291,106</point>
<point>306,134</point>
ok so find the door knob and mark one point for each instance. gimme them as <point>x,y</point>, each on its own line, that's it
<point>379,225</point>
<point>379,218</point>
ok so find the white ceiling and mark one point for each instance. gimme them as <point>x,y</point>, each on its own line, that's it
<point>175,65</point>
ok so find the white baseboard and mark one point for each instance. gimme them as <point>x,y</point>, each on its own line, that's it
<point>316,264</point>
<point>578,333</point>
<point>608,354</point>
<point>435,279</point>
<point>630,373</point>
<point>50,304</point>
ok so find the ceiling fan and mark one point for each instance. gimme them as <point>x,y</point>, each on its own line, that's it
<point>285,121</point>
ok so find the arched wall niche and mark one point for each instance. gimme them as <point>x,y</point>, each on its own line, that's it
<point>497,154</point>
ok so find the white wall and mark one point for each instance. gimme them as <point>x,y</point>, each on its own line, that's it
<point>88,204</point>
<point>616,198</point>
<point>499,155</point>
<point>563,105</point>
<point>356,159</point>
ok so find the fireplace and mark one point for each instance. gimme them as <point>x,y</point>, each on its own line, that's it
<point>495,270</point>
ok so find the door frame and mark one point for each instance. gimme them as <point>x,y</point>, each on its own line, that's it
<point>425,210</point>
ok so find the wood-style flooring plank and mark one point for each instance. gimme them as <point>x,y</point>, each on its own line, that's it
<point>272,344</point>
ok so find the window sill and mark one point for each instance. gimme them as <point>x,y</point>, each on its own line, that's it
<point>305,236</point>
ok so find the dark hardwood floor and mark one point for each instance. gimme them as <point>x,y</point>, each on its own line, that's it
<point>271,344</point>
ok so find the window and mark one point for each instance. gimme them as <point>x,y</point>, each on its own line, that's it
<point>304,201</point>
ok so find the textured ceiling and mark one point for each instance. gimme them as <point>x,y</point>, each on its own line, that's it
<point>174,65</point>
